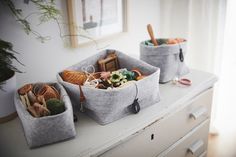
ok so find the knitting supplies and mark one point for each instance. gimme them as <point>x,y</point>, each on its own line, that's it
<point>25,89</point>
<point>169,56</point>
<point>55,106</point>
<point>48,92</point>
<point>38,110</point>
<point>75,77</point>
<point>114,95</point>
<point>104,80</point>
<point>109,63</point>
<point>129,75</point>
<point>44,125</point>
<point>34,98</point>
<point>105,84</point>
<point>182,81</point>
<point>105,75</point>
<point>117,78</point>
<point>91,83</point>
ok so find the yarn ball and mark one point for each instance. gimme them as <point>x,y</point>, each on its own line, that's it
<point>116,77</point>
<point>162,41</point>
<point>55,106</point>
<point>129,75</point>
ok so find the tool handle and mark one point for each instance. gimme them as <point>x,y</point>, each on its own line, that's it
<point>150,32</point>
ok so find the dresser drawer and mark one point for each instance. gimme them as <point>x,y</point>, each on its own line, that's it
<point>204,154</point>
<point>160,135</point>
<point>194,144</point>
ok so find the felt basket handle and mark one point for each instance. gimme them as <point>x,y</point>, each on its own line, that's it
<point>81,99</point>
<point>181,55</point>
<point>135,107</point>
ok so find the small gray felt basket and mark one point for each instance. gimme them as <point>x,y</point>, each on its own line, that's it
<point>48,129</point>
<point>106,106</point>
<point>169,58</point>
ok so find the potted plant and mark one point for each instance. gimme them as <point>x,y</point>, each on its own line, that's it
<point>7,81</point>
<point>46,11</point>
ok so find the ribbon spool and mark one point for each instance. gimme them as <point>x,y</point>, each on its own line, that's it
<point>185,81</point>
<point>182,81</point>
<point>48,92</point>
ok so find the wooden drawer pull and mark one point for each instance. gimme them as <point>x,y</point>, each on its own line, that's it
<point>195,148</point>
<point>200,112</point>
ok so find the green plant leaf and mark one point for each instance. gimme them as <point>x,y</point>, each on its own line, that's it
<point>7,55</point>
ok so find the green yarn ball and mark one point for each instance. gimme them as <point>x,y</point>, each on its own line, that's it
<point>129,75</point>
<point>162,41</point>
<point>55,106</point>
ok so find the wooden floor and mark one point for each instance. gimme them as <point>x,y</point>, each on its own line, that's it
<point>222,145</point>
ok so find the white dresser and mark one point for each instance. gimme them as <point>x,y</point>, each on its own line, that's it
<point>177,126</point>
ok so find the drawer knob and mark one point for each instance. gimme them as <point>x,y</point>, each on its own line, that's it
<point>196,148</point>
<point>200,112</point>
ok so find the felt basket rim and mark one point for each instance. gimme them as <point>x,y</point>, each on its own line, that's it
<point>107,90</point>
<point>155,69</point>
<point>162,50</point>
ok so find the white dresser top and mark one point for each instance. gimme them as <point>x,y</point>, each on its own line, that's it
<point>92,138</point>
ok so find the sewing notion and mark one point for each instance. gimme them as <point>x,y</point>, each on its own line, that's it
<point>182,81</point>
<point>41,99</point>
<point>109,75</point>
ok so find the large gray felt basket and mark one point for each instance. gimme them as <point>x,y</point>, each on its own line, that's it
<point>106,106</point>
<point>49,129</point>
<point>167,57</point>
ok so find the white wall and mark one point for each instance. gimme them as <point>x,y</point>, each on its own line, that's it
<point>201,23</point>
<point>43,60</point>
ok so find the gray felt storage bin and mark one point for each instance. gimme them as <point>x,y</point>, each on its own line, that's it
<point>106,106</point>
<point>48,129</point>
<point>167,58</point>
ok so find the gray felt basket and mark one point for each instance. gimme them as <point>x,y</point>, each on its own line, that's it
<point>48,129</point>
<point>167,58</point>
<point>106,106</point>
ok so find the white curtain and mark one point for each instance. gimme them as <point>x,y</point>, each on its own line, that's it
<point>226,109</point>
<point>201,22</point>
